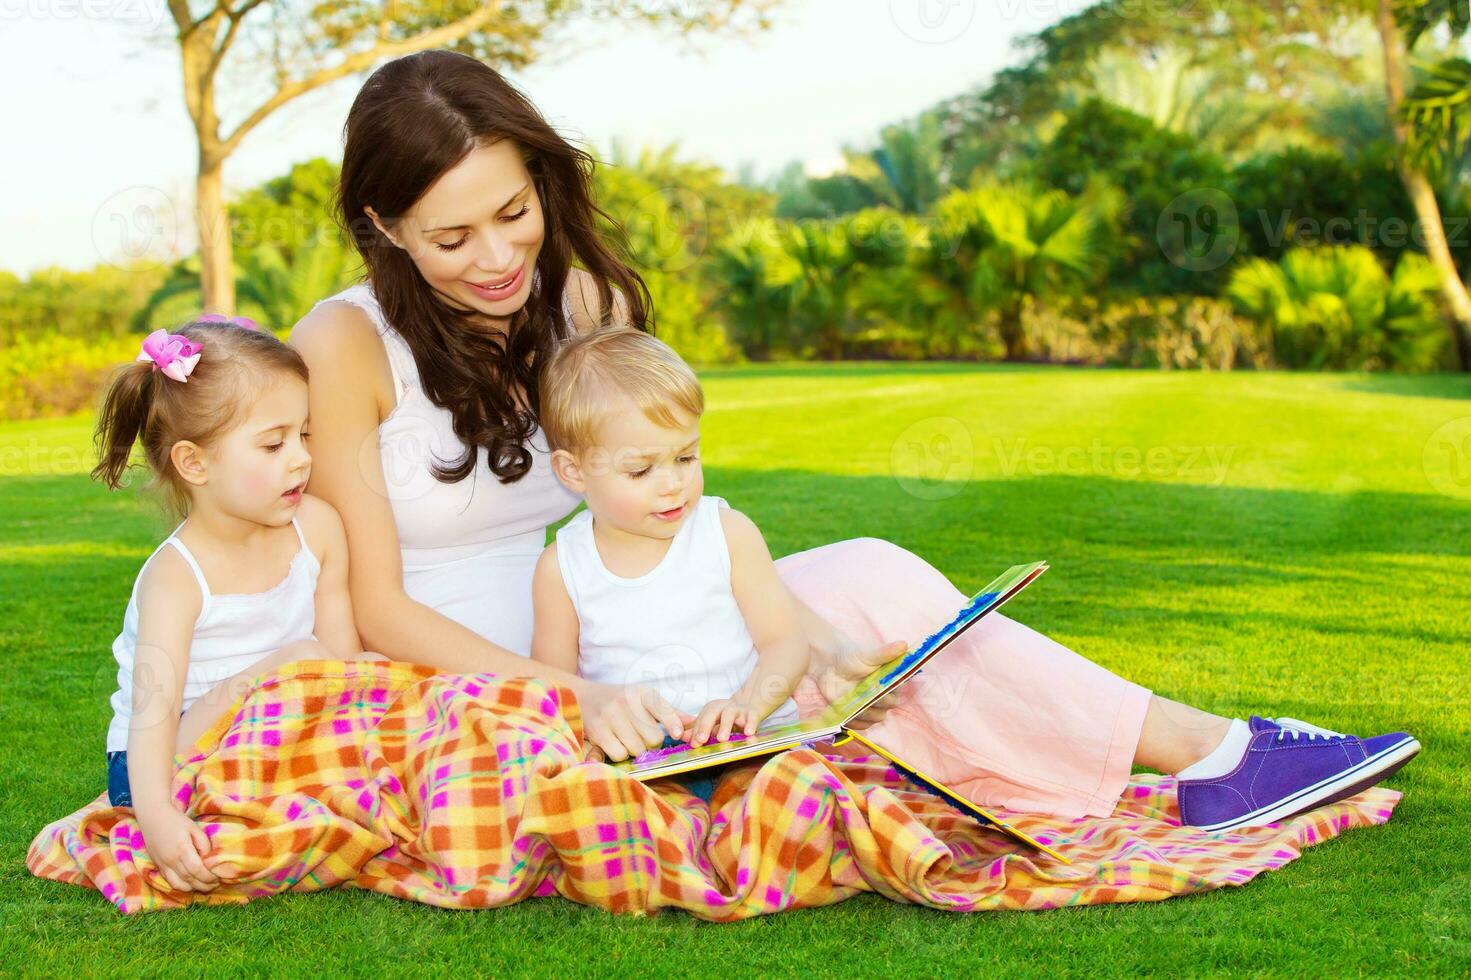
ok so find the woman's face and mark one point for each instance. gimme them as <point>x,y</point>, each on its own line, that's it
<point>476,233</point>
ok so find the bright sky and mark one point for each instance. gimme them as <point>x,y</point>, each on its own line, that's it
<point>98,144</point>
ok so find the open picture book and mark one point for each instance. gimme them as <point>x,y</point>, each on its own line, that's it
<point>833,724</point>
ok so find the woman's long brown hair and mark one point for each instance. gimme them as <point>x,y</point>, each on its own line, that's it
<point>415,118</point>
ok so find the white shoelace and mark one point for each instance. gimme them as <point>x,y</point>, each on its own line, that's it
<point>1298,728</point>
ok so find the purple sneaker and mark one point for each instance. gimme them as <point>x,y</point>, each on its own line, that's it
<point>1289,769</point>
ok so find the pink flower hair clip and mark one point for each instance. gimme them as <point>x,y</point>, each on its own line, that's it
<point>173,354</point>
<point>243,322</point>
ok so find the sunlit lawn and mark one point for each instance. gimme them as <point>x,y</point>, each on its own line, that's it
<point>1282,544</point>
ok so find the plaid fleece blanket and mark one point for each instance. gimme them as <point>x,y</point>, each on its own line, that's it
<point>466,791</point>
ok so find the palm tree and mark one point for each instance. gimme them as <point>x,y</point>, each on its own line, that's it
<point>906,170</point>
<point>759,285</point>
<point>1335,307</point>
<point>889,297</point>
<point>999,243</point>
<point>826,274</point>
<point>1422,122</point>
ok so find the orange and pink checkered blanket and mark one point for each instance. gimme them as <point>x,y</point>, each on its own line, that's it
<point>466,791</point>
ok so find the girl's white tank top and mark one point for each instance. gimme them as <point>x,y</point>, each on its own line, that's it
<point>233,631</point>
<point>469,548</point>
<point>676,628</point>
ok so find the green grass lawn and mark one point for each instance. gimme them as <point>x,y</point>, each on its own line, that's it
<point>1280,544</point>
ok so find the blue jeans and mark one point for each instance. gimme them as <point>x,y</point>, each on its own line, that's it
<point>118,791</point>
<point>701,782</point>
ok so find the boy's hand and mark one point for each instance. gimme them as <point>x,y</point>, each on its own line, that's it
<point>721,717</point>
<point>178,846</point>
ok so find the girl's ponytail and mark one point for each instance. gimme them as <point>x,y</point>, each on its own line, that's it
<point>192,385</point>
<point>123,419</point>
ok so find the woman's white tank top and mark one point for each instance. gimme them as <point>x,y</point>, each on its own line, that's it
<point>233,631</point>
<point>676,628</point>
<point>469,548</point>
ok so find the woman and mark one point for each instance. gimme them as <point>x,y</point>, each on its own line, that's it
<point>468,210</point>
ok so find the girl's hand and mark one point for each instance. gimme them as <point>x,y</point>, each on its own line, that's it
<point>178,846</point>
<point>624,721</point>
<point>723,715</point>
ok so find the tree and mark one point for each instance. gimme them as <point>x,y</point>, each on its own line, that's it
<point>759,286</point>
<point>999,244</point>
<point>906,170</point>
<point>1267,37</point>
<point>826,275</point>
<point>666,210</point>
<point>1153,168</point>
<point>1273,60</point>
<point>286,247</point>
<point>1326,198</point>
<point>1420,152</point>
<point>295,50</point>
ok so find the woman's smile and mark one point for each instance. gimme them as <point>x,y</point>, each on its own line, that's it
<point>495,290</point>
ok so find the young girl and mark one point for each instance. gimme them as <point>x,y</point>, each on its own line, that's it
<point>656,583</point>
<point>254,577</point>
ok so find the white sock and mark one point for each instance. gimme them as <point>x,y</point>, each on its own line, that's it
<point>1224,757</point>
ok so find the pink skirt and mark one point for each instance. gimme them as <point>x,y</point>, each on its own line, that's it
<point>1005,716</point>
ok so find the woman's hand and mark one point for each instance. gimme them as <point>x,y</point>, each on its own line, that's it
<point>623,721</point>
<point>838,663</point>
<point>178,846</point>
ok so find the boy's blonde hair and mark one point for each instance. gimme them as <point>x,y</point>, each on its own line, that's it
<point>586,376</point>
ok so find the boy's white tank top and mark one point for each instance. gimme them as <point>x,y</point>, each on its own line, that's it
<point>469,548</point>
<point>233,631</point>
<point>676,628</point>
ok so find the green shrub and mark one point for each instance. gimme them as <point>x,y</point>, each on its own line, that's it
<point>1167,332</point>
<point>1336,308</point>
<point>57,375</point>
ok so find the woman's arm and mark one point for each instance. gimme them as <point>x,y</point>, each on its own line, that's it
<point>348,364</point>
<point>836,663</point>
<point>554,633</point>
<point>335,628</point>
<point>349,369</point>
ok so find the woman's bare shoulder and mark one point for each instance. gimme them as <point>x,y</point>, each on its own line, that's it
<point>336,325</point>
<point>582,297</point>
<point>339,337</point>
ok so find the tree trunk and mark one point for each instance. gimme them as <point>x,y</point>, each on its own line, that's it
<point>1422,195</point>
<point>1012,335</point>
<point>217,262</point>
